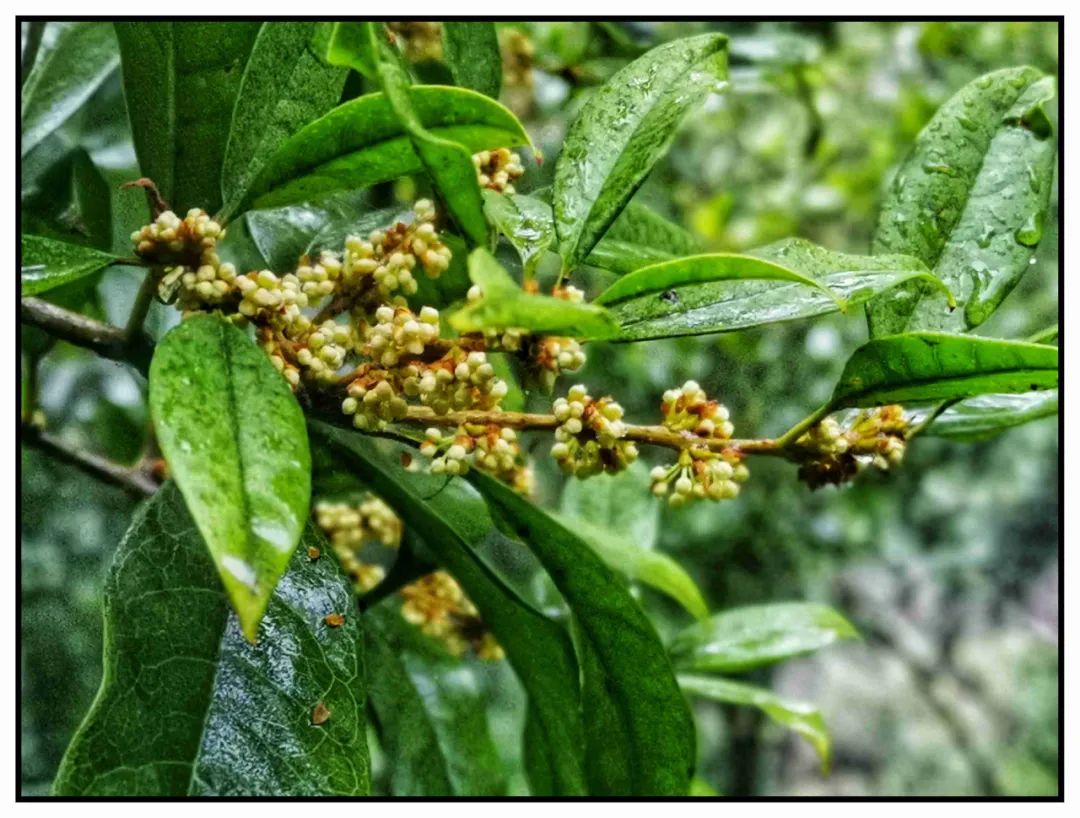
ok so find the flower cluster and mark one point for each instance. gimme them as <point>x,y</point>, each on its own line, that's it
<point>699,472</point>
<point>437,605</point>
<point>591,435</point>
<point>496,170</point>
<point>352,527</point>
<point>831,454</point>
<point>491,447</point>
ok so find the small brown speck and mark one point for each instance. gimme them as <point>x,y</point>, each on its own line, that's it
<point>320,714</point>
<point>313,553</point>
<point>334,620</point>
<point>406,459</point>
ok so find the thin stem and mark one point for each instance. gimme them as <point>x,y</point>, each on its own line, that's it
<point>139,309</point>
<point>796,431</point>
<point>931,416</point>
<point>133,480</point>
<point>104,339</point>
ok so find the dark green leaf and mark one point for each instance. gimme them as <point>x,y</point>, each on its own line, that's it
<point>622,130</point>
<point>621,502</point>
<point>416,763</point>
<point>48,263</point>
<point>758,635</point>
<point>804,719</point>
<point>362,142</point>
<point>181,82</point>
<point>471,49</point>
<point>284,87</point>
<point>82,56</point>
<point>724,306</point>
<point>640,237</point>
<point>234,437</point>
<point>504,304</point>
<point>349,45</point>
<point>188,707</point>
<point>985,416</point>
<point>929,366</point>
<point>639,736</point>
<point>462,535</point>
<point>970,201</point>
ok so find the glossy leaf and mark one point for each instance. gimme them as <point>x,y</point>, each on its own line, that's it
<point>985,416</point>
<point>471,49</point>
<point>234,437</point>
<point>928,366</point>
<point>64,77</point>
<point>639,736</point>
<point>459,531</point>
<point>284,87</point>
<point>640,237</point>
<point>970,201</point>
<point>754,636</point>
<point>622,130</point>
<point>188,706</point>
<point>725,306</point>
<point>361,143</point>
<point>802,718</point>
<point>447,162</point>
<point>48,263</point>
<point>181,82</point>
<point>505,304</point>
<point>525,221</point>
<point>682,272</point>
<point>653,568</point>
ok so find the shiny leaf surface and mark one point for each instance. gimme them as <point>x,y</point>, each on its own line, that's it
<point>47,263</point>
<point>471,49</point>
<point>984,416</point>
<point>235,441</point>
<point>188,706</point>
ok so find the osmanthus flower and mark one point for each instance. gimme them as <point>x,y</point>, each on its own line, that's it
<point>438,606</point>
<point>830,453</point>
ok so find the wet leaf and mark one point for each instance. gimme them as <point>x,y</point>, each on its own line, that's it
<point>64,77</point>
<point>640,237</point>
<point>471,49</point>
<point>235,441</point>
<point>725,306</point>
<point>928,366</point>
<point>284,87</point>
<point>985,416</point>
<point>505,304</point>
<point>970,201</point>
<point>639,735</point>
<point>362,142</point>
<point>187,704</point>
<point>181,82</point>
<point>802,718</point>
<point>48,263</point>
<point>622,130</point>
<point>758,635</point>
<point>525,221</point>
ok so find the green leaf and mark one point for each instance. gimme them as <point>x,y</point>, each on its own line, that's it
<point>640,237</point>
<point>928,366</point>
<point>803,718</point>
<point>187,706</point>
<point>620,502</point>
<point>181,82</point>
<point>48,263</point>
<point>65,77</point>
<point>448,163</point>
<point>970,201</point>
<point>361,143</point>
<point>654,568</point>
<point>725,306</point>
<point>525,221</point>
<point>639,735</point>
<point>984,416</point>
<point>284,87</point>
<point>471,50</point>
<point>461,534</point>
<point>504,304</point>
<point>416,763</point>
<point>622,130</point>
<point>682,272</point>
<point>758,635</point>
<point>234,437</point>
<point>349,46</point>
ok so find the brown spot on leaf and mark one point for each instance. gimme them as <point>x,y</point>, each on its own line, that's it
<point>313,553</point>
<point>320,714</point>
<point>334,620</point>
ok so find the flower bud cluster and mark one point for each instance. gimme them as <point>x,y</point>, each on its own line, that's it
<point>591,435</point>
<point>170,240</point>
<point>421,40</point>
<point>458,380</point>
<point>831,454</point>
<point>496,170</point>
<point>372,401</point>
<point>438,606</point>
<point>699,474</point>
<point>319,278</point>
<point>352,527</point>
<point>325,350</point>
<point>553,355</point>
<point>688,409</point>
<point>507,340</point>
<point>491,448</point>
<point>400,332</point>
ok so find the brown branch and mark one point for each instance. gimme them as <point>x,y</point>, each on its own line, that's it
<point>133,480</point>
<point>104,339</point>
<point>154,200</point>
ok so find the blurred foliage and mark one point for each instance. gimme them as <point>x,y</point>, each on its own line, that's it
<point>948,567</point>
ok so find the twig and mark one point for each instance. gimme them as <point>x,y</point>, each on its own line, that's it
<point>141,306</point>
<point>104,339</point>
<point>154,200</point>
<point>133,480</point>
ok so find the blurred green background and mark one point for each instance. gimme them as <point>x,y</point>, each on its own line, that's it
<point>949,567</point>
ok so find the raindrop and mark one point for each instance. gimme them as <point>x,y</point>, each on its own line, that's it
<point>1030,232</point>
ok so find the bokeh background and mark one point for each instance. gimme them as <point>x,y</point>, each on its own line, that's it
<point>948,567</point>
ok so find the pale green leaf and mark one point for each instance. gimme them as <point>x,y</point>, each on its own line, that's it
<point>984,416</point>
